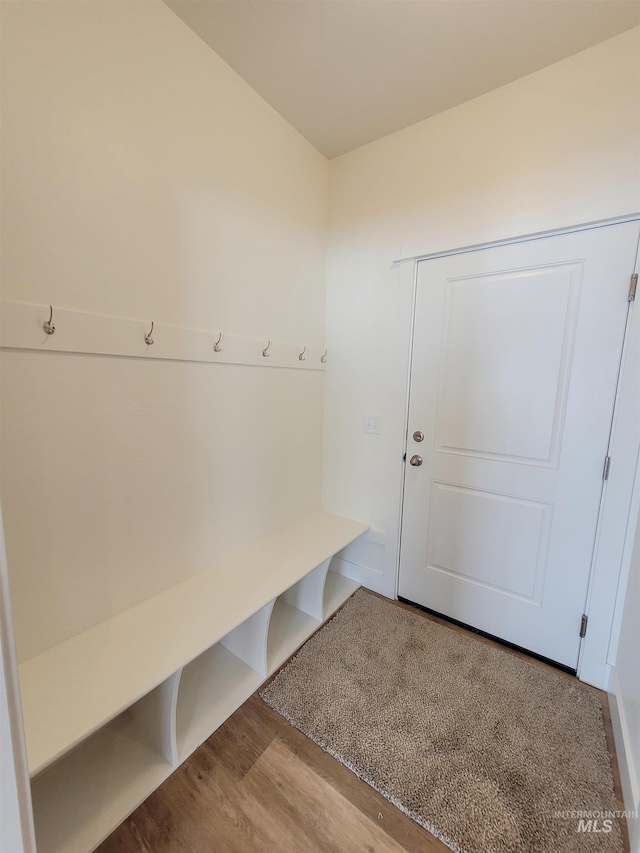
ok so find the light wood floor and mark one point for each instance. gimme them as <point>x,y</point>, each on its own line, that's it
<point>258,784</point>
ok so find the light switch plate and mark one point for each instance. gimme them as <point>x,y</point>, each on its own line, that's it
<point>372,424</point>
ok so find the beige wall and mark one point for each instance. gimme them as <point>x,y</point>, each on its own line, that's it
<point>556,148</point>
<point>143,178</point>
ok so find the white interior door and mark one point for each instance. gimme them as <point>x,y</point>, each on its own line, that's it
<point>515,361</point>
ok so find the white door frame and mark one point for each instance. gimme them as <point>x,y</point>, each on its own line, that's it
<point>16,817</point>
<point>605,577</point>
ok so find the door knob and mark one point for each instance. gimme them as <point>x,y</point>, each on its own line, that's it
<point>415,461</point>
<point>418,435</point>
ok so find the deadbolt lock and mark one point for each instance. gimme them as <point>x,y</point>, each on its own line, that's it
<point>415,461</point>
<point>418,436</point>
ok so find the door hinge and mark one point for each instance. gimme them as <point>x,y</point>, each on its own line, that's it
<point>607,465</point>
<point>583,624</point>
<point>633,286</point>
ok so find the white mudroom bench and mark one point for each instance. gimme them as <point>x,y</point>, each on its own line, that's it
<point>112,712</point>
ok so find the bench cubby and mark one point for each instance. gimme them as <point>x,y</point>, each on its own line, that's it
<point>288,629</point>
<point>337,590</point>
<point>79,799</point>
<point>110,714</point>
<point>212,687</point>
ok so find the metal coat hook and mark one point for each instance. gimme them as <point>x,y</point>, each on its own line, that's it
<point>301,357</point>
<point>147,338</point>
<point>265,351</point>
<point>323,358</point>
<point>216,346</point>
<point>48,327</point>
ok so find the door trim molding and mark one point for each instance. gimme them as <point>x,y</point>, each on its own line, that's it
<point>15,803</point>
<point>617,519</point>
<point>407,289</point>
<point>416,255</point>
<point>607,565</point>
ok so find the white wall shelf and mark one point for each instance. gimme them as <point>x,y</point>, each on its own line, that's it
<point>111,713</point>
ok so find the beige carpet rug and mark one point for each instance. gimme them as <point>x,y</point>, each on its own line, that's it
<point>480,747</point>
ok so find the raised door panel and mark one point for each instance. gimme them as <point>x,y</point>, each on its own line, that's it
<point>506,353</point>
<point>478,537</point>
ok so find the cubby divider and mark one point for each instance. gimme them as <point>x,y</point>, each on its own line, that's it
<point>155,717</point>
<point>308,594</point>
<point>337,589</point>
<point>212,687</point>
<point>249,640</point>
<point>288,629</point>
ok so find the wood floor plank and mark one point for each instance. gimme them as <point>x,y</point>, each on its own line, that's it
<point>305,811</point>
<point>372,804</point>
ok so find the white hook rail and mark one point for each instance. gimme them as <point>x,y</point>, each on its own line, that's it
<point>25,326</point>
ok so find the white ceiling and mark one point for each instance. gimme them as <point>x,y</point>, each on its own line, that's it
<point>346,72</point>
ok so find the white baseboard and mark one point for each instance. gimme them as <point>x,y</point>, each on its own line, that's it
<point>364,575</point>
<point>629,778</point>
<point>363,560</point>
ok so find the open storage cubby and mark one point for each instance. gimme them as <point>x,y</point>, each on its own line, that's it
<point>288,629</point>
<point>79,799</point>
<point>336,591</point>
<point>212,687</point>
<point>111,713</point>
